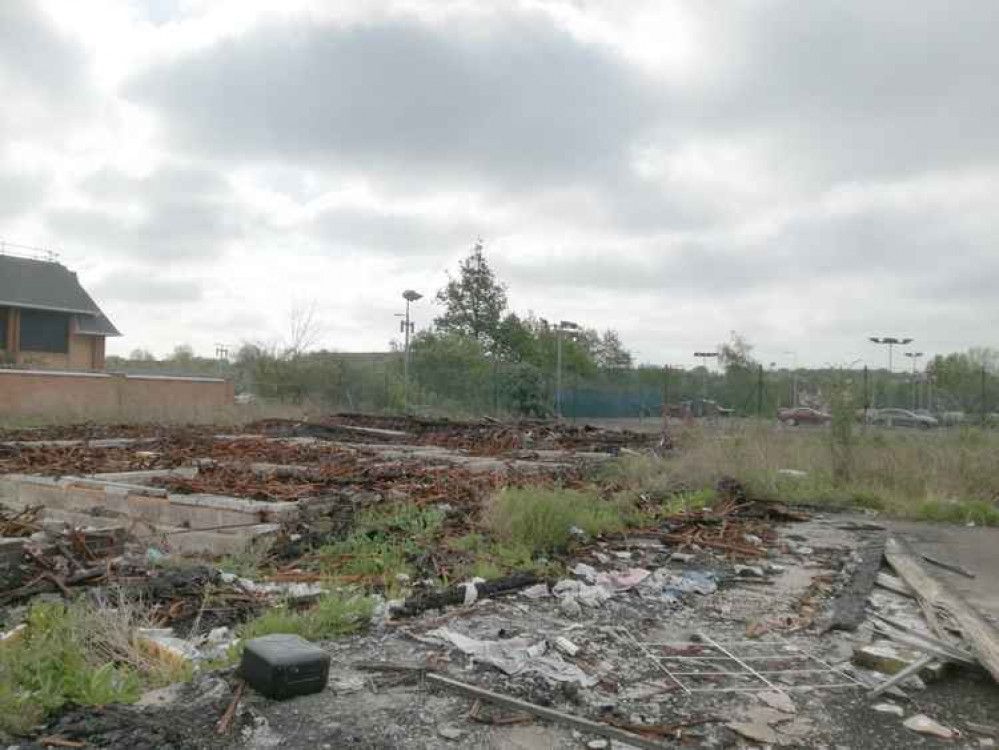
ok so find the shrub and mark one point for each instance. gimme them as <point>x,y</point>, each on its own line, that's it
<point>540,519</point>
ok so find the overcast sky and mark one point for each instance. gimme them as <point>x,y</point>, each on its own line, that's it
<point>806,173</point>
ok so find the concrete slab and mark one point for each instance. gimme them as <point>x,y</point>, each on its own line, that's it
<point>974,548</point>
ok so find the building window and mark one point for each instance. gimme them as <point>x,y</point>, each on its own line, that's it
<point>43,331</point>
<point>3,328</point>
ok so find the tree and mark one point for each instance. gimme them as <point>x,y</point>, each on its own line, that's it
<point>305,328</point>
<point>736,353</point>
<point>610,351</point>
<point>183,354</point>
<point>474,302</point>
<point>141,355</point>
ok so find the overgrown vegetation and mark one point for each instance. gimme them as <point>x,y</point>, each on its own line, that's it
<point>336,613</point>
<point>52,663</point>
<point>935,476</point>
<point>540,520</point>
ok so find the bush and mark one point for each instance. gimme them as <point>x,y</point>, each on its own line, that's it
<point>47,667</point>
<point>539,519</point>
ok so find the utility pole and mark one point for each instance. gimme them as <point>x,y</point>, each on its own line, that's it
<point>407,328</point>
<point>705,356</point>
<point>867,393</point>
<point>984,397</point>
<point>565,325</point>
<point>891,342</point>
<point>914,356</point>
<point>794,379</point>
<point>759,392</point>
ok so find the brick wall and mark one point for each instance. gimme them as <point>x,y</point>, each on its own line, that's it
<point>41,396</point>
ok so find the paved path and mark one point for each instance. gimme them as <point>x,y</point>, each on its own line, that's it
<point>973,548</point>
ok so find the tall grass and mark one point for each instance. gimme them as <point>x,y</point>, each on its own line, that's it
<point>940,475</point>
<point>541,519</point>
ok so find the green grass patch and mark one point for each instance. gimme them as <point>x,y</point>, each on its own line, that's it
<point>48,667</point>
<point>538,520</point>
<point>335,614</point>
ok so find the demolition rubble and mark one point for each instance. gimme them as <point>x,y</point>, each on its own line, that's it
<point>335,583</point>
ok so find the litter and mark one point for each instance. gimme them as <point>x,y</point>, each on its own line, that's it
<point>515,656</point>
<point>925,725</point>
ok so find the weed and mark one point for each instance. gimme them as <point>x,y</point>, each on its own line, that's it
<point>48,667</point>
<point>405,519</point>
<point>540,519</point>
<point>335,614</point>
<point>247,563</point>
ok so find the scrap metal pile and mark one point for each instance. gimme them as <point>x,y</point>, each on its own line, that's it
<point>163,452</point>
<point>485,437</point>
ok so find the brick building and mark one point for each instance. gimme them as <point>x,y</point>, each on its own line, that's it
<point>47,320</point>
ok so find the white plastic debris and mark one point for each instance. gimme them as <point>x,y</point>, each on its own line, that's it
<point>681,557</point>
<point>750,571</point>
<point>925,725</point>
<point>515,656</point>
<point>566,646</point>
<point>587,572</point>
<point>471,594</point>
<point>616,582</point>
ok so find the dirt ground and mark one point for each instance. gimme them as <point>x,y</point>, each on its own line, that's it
<point>669,645</point>
<point>375,709</point>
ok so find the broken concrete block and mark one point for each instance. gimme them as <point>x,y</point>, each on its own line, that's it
<point>925,725</point>
<point>781,701</point>
<point>750,571</point>
<point>449,732</point>
<point>887,658</point>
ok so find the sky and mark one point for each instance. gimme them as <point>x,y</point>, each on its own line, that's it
<point>807,174</point>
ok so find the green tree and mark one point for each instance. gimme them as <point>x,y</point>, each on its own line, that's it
<point>474,302</point>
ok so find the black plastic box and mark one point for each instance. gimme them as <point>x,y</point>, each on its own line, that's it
<point>283,666</point>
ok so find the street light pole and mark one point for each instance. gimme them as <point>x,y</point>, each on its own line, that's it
<point>565,325</point>
<point>914,356</point>
<point>890,342</point>
<point>410,296</point>
<point>794,380</point>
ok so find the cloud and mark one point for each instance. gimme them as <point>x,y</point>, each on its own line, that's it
<point>495,98</point>
<point>43,74</point>
<point>139,287</point>
<point>177,213</point>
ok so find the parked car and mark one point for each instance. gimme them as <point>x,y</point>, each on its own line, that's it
<point>901,418</point>
<point>802,415</point>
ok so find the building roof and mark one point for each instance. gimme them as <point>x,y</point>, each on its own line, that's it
<point>45,285</point>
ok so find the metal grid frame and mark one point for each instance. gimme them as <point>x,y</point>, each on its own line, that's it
<point>740,666</point>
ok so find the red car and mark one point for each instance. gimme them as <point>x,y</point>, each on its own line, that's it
<point>803,415</point>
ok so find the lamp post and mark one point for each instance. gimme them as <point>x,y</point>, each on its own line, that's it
<point>914,356</point>
<point>794,379</point>
<point>891,342</point>
<point>705,356</point>
<point>407,328</point>
<point>565,325</point>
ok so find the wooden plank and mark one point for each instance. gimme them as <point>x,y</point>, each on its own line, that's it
<point>897,585</point>
<point>576,722</point>
<point>904,674</point>
<point>932,594</point>
<point>849,608</point>
<point>949,566</point>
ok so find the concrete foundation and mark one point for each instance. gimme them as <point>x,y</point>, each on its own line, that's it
<point>212,524</point>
